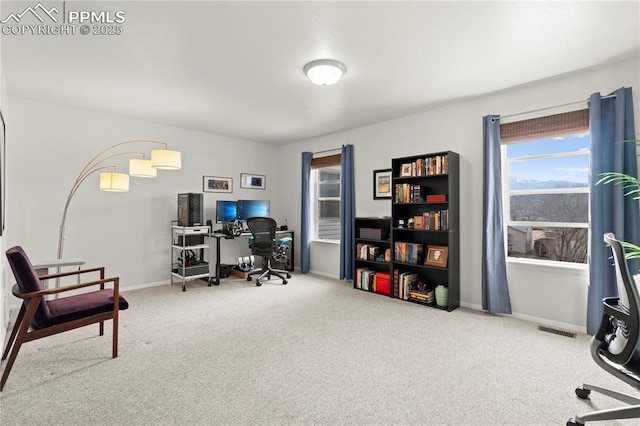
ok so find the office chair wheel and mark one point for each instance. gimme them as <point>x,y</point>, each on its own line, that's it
<point>248,278</point>
<point>288,276</point>
<point>583,393</point>
<point>572,422</point>
<point>284,282</point>
<point>258,283</point>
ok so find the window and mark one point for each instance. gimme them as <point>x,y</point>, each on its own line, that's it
<point>546,195</point>
<point>326,197</point>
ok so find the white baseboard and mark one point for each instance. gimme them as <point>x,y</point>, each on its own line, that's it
<point>324,274</point>
<point>537,320</point>
<point>147,285</point>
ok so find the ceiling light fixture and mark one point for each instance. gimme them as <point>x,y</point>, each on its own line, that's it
<point>324,72</point>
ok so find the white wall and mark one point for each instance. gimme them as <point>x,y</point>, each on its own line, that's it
<point>4,299</point>
<point>458,128</point>
<point>129,233</point>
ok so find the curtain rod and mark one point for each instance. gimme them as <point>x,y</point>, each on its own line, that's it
<point>613,95</point>
<point>327,150</point>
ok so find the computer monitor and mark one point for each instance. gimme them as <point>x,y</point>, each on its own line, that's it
<point>253,208</point>
<point>226,210</point>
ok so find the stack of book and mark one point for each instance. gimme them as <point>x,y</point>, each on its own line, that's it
<point>437,220</point>
<point>408,252</point>
<point>367,251</point>
<point>379,282</point>
<point>425,296</point>
<point>408,193</point>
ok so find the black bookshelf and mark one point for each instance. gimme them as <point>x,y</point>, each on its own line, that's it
<point>372,243</point>
<point>415,178</point>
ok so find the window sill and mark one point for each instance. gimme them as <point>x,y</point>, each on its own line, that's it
<point>547,264</point>
<point>330,242</point>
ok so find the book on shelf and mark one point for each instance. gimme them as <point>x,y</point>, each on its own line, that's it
<point>365,251</point>
<point>436,220</point>
<point>409,193</point>
<point>423,297</point>
<point>396,282</point>
<point>436,165</point>
<point>376,281</point>
<point>408,252</point>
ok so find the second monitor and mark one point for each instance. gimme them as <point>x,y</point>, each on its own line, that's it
<point>227,210</point>
<point>253,208</point>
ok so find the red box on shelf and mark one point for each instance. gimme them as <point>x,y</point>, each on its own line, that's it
<point>383,283</point>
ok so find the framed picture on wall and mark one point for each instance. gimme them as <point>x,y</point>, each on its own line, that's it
<point>217,184</point>
<point>253,181</point>
<point>381,184</point>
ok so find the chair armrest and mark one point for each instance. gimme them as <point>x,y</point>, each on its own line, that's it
<point>76,272</point>
<point>115,280</point>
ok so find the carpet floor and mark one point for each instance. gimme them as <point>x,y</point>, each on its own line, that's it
<point>312,352</point>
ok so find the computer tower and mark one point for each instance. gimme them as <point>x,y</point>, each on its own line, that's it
<point>190,209</point>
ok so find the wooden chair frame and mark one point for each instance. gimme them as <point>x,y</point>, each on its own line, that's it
<point>21,334</point>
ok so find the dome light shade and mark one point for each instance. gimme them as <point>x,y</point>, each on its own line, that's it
<point>114,182</point>
<point>324,72</point>
<point>141,168</point>
<point>166,159</point>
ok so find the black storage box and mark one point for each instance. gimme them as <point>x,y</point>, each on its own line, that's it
<point>191,240</point>
<point>374,233</point>
<point>197,269</point>
<point>225,270</point>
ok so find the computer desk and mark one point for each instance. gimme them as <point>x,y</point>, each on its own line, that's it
<point>219,235</point>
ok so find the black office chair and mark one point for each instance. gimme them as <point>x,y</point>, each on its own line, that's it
<point>614,347</point>
<point>264,244</point>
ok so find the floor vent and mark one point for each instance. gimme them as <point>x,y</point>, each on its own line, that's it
<point>556,331</point>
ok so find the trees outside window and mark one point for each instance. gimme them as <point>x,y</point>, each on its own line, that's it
<point>546,187</point>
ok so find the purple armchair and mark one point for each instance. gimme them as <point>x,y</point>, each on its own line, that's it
<point>39,317</point>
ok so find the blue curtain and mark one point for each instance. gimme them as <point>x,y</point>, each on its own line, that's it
<point>495,289</point>
<point>610,122</point>
<point>347,213</point>
<point>305,209</point>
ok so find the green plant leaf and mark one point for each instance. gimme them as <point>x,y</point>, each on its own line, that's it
<point>630,184</point>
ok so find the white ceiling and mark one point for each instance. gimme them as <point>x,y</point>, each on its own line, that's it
<point>235,68</point>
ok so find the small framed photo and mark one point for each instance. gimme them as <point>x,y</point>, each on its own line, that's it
<point>253,181</point>
<point>217,184</point>
<point>381,184</point>
<point>405,169</point>
<point>437,256</point>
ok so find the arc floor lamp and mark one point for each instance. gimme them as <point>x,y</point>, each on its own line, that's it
<point>112,181</point>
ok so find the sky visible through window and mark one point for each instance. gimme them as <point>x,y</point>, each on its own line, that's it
<point>573,169</point>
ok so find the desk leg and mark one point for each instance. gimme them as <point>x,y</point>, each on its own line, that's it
<point>293,250</point>
<point>217,280</point>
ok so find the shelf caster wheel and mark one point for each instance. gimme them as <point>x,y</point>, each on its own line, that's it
<point>284,282</point>
<point>249,279</point>
<point>583,393</point>
<point>288,276</point>
<point>572,422</point>
<point>184,289</point>
<point>258,283</point>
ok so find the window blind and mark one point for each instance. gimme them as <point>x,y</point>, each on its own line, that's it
<point>327,160</point>
<point>566,123</point>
